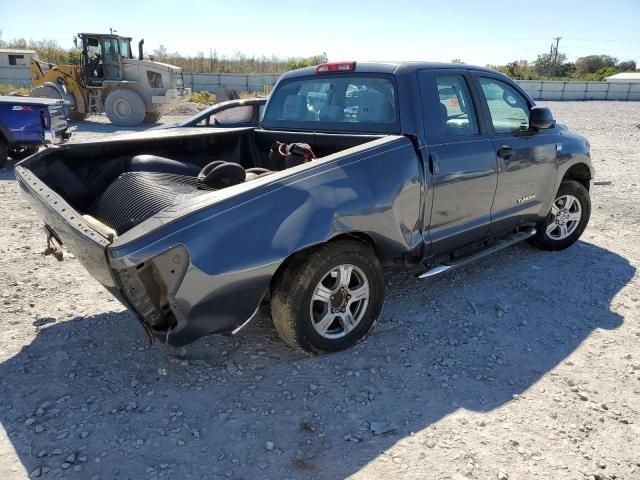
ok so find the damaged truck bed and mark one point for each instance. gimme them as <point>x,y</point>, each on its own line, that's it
<point>204,263</point>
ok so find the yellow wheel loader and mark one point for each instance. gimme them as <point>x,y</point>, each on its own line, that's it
<point>109,79</point>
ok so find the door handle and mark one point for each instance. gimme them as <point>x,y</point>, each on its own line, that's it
<point>434,165</point>
<point>505,151</point>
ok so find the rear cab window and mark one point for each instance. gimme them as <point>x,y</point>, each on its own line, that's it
<point>457,114</point>
<point>449,108</point>
<point>335,102</point>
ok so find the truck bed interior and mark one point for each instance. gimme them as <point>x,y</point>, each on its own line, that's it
<point>119,184</point>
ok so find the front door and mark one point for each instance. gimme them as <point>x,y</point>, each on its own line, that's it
<point>526,157</point>
<point>462,160</point>
<point>111,59</point>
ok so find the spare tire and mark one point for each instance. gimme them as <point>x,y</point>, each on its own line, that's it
<point>124,108</point>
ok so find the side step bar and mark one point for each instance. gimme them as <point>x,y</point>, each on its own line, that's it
<point>499,245</point>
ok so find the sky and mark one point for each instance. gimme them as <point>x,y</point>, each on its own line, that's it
<point>478,32</point>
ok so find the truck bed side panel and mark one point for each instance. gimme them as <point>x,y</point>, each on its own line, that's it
<point>235,248</point>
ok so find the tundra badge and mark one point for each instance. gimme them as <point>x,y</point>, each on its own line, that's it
<point>526,198</point>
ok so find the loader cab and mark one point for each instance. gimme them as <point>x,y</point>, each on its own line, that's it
<point>102,57</point>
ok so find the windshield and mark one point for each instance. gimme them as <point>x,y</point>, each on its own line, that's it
<point>362,103</point>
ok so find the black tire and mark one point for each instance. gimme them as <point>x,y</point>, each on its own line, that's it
<point>76,116</point>
<point>293,289</point>
<point>543,240</point>
<point>124,108</point>
<point>4,151</point>
<point>20,153</point>
<point>152,117</point>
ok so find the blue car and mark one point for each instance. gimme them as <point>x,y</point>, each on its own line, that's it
<point>245,112</point>
<point>26,123</point>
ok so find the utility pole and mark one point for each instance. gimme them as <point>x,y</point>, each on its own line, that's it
<point>555,55</point>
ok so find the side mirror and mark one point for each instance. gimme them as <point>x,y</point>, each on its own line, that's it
<point>541,118</point>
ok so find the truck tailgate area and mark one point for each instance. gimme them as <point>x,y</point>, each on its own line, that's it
<point>69,227</point>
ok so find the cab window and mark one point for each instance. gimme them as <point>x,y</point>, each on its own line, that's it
<point>354,102</point>
<point>457,115</point>
<point>508,108</point>
<point>230,116</point>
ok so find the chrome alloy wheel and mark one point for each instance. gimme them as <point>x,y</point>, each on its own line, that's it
<point>339,301</point>
<point>566,213</point>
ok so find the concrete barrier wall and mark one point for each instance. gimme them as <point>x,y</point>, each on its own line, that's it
<point>557,90</point>
<point>17,75</point>
<point>538,89</point>
<point>211,82</point>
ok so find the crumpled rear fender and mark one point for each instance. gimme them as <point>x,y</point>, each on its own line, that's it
<point>235,246</point>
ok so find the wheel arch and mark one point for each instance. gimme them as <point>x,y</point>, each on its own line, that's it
<point>362,237</point>
<point>580,172</point>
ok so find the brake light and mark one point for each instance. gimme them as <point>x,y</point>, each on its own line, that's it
<point>336,67</point>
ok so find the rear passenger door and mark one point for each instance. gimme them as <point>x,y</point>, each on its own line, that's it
<point>526,158</point>
<point>462,160</point>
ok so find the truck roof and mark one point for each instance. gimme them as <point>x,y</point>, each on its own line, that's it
<point>17,99</point>
<point>396,68</point>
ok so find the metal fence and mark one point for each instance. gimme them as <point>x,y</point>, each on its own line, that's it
<point>557,90</point>
<point>211,82</point>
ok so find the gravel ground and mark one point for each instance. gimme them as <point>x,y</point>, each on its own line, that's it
<point>523,365</point>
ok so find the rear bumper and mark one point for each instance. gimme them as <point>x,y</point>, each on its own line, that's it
<point>171,295</point>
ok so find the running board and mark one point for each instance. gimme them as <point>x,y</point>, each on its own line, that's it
<point>496,247</point>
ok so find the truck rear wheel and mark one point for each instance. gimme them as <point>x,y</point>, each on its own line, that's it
<point>329,299</point>
<point>4,151</point>
<point>124,108</point>
<point>567,219</point>
<point>20,153</point>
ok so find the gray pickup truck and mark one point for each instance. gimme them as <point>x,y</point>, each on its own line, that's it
<point>351,165</point>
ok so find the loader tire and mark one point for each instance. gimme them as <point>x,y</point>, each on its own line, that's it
<point>124,108</point>
<point>47,91</point>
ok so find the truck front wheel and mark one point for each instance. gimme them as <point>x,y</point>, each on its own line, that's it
<point>124,108</point>
<point>567,219</point>
<point>328,299</point>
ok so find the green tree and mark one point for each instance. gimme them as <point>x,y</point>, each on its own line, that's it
<point>593,63</point>
<point>547,65</point>
<point>627,66</point>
